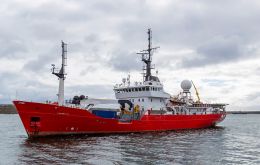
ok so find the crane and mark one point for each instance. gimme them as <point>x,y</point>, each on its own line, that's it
<point>197,92</point>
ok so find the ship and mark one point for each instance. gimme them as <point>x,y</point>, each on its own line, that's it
<point>138,107</point>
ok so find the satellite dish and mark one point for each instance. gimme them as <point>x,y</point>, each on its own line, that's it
<point>186,85</point>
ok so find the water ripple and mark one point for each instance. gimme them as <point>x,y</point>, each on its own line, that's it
<point>236,141</point>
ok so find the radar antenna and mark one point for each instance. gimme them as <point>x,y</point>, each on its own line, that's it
<point>61,73</point>
<point>147,57</point>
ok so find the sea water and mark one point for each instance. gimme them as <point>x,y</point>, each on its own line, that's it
<point>235,141</point>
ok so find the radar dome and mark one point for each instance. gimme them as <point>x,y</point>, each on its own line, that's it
<point>186,85</point>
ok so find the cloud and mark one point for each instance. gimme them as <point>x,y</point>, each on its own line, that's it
<point>41,63</point>
<point>125,61</point>
<point>200,40</point>
<point>217,50</point>
<point>253,96</point>
<point>217,82</point>
<point>11,48</point>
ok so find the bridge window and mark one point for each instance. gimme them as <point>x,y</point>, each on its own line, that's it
<point>139,89</point>
<point>142,100</point>
<point>151,100</point>
<point>147,88</point>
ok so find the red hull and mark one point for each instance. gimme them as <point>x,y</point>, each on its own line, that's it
<point>48,119</point>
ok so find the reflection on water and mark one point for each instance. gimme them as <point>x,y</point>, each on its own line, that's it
<point>234,142</point>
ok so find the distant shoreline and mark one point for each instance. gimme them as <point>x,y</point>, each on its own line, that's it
<point>243,112</point>
<point>7,109</point>
<point>10,109</point>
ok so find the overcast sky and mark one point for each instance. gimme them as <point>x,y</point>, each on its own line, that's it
<point>214,43</point>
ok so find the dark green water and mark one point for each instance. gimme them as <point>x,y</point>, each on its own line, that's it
<point>235,141</point>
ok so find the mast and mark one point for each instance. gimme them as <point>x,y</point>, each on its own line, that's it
<point>147,57</point>
<point>61,73</point>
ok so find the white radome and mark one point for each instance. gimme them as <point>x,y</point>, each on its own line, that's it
<point>186,85</point>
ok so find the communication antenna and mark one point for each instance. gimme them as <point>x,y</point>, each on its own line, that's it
<point>147,57</point>
<point>61,73</point>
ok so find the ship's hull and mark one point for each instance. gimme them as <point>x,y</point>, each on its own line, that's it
<point>48,119</point>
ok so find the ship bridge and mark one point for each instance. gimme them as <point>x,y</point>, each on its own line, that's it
<point>150,95</point>
<point>139,90</point>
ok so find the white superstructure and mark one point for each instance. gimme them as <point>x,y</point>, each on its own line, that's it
<point>149,95</point>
